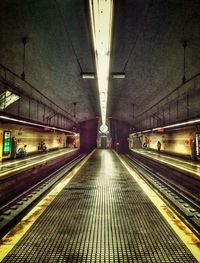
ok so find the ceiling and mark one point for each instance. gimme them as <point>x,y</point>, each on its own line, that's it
<point>147,46</point>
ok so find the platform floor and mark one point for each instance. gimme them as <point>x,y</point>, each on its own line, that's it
<point>176,162</point>
<point>101,215</point>
<point>9,166</point>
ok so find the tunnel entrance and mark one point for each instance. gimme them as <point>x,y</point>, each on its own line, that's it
<point>103,142</point>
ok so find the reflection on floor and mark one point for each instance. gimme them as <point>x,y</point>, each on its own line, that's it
<point>22,163</point>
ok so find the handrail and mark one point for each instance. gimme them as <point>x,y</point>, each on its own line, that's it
<point>165,97</point>
<point>69,116</point>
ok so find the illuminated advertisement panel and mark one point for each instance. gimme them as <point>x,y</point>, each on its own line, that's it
<point>198,144</point>
<point>6,143</point>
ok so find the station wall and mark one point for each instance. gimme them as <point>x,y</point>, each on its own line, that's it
<point>176,141</point>
<point>32,137</point>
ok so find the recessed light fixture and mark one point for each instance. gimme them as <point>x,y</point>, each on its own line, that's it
<point>87,75</point>
<point>118,75</point>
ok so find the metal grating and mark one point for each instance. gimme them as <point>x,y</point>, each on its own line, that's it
<point>102,215</point>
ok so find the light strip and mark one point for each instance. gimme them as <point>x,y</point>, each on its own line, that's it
<point>170,126</point>
<point>155,129</point>
<point>145,131</point>
<point>182,123</point>
<point>141,132</point>
<point>34,124</point>
<point>101,20</point>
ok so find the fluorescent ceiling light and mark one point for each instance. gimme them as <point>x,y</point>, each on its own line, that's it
<point>182,123</point>
<point>171,126</point>
<point>140,132</point>
<point>7,98</point>
<point>101,19</point>
<point>118,75</point>
<point>145,131</point>
<point>34,124</point>
<point>155,129</point>
<point>87,75</point>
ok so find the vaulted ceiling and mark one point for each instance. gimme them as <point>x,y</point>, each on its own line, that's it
<point>147,46</point>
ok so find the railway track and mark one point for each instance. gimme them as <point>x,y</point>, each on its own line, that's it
<point>15,209</point>
<point>181,191</point>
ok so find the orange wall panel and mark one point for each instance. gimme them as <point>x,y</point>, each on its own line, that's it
<point>173,141</point>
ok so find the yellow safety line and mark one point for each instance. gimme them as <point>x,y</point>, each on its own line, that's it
<point>30,158</point>
<point>11,239</point>
<point>185,234</point>
<point>195,173</point>
<point>24,167</point>
<point>149,153</point>
<point>153,155</point>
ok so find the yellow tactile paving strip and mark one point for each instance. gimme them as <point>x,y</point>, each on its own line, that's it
<point>13,167</point>
<point>184,165</point>
<point>186,235</point>
<point>11,239</point>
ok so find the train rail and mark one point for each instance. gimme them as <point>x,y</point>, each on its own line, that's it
<point>181,191</point>
<point>15,209</point>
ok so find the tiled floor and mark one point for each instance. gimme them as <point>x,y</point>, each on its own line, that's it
<point>102,215</point>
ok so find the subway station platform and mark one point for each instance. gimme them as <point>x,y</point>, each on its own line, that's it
<point>189,166</point>
<point>13,166</point>
<point>103,212</point>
